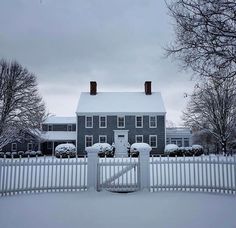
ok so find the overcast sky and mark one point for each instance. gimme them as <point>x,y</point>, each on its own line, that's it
<point>118,43</point>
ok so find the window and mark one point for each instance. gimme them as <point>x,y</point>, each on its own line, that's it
<point>69,127</point>
<point>152,121</point>
<point>88,140</point>
<point>177,141</point>
<point>13,147</point>
<point>102,121</point>
<point>102,138</point>
<point>30,146</point>
<point>186,142</point>
<point>120,121</point>
<point>139,121</point>
<point>50,127</point>
<point>88,121</point>
<point>138,138</point>
<point>153,141</point>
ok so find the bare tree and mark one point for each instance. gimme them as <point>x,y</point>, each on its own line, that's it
<point>205,36</point>
<point>212,107</point>
<point>21,107</point>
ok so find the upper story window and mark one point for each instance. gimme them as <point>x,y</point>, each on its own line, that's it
<point>88,121</point>
<point>120,121</point>
<point>138,138</point>
<point>69,127</point>
<point>139,121</point>
<point>50,127</point>
<point>102,121</point>
<point>152,121</point>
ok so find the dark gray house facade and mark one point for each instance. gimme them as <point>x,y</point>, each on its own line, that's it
<point>121,119</point>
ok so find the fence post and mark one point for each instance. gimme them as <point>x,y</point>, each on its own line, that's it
<point>92,178</point>
<point>144,165</point>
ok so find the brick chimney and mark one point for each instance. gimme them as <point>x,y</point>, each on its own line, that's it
<point>148,87</point>
<point>93,88</point>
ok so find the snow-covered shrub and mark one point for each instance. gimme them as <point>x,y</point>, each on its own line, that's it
<point>32,153</point>
<point>197,150</point>
<point>21,153</point>
<point>104,149</point>
<point>65,149</point>
<point>27,153</point>
<point>39,153</point>
<point>137,148</point>
<point>2,154</point>
<point>171,148</point>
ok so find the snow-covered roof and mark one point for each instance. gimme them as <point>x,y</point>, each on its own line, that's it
<point>120,102</point>
<point>60,120</point>
<point>59,135</point>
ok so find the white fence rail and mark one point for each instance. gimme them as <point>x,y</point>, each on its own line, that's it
<point>32,175</point>
<point>205,174</point>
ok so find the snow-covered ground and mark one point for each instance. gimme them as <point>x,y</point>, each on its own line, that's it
<point>113,210</point>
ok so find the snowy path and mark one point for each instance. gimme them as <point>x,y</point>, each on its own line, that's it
<point>112,210</point>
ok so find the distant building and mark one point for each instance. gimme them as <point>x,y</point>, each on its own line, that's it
<point>180,136</point>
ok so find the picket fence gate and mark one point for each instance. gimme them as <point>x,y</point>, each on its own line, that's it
<point>216,174</point>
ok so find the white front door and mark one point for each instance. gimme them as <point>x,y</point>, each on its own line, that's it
<point>121,142</point>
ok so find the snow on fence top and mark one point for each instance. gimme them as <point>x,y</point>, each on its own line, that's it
<point>120,102</point>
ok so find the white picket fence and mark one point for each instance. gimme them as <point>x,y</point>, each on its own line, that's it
<point>118,174</point>
<point>205,174</point>
<point>33,175</point>
<point>215,174</point>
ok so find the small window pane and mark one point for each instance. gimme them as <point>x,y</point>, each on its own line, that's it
<point>139,138</point>
<point>102,138</point>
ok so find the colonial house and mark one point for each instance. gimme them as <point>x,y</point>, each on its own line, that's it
<point>118,118</point>
<point>121,119</point>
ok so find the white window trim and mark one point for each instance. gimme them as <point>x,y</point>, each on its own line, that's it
<point>118,121</point>
<point>13,146</point>
<point>86,126</point>
<point>150,136</point>
<point>150,122</point>
<point>101,121</point>
<point>104,137</point>
<point>136,136</point>
<point>137,121</point>
<point>85,137</point>
<point>28,146</point>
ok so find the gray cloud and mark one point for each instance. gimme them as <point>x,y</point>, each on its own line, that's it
<point>68,43</point>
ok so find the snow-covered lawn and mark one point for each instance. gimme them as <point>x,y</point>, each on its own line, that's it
<point>113,210</point>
